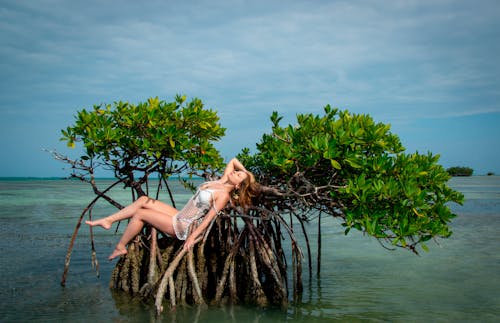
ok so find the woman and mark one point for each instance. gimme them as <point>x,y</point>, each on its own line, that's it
<point>209,199</point>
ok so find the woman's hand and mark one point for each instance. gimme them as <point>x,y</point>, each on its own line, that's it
<point>234,164</point>
<point>237,165</point>
<point>189,243</point>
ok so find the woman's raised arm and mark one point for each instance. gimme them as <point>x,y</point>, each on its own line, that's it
<point>234,164</point>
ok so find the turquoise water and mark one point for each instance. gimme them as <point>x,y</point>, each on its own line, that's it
<point>457,281</point>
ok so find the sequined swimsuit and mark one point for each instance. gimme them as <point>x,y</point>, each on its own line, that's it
<point>194,210</point>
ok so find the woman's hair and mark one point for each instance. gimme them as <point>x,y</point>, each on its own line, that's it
<point>249,188</point>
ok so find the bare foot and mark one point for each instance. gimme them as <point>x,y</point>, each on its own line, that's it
<point>117,252</point>
<point>101,222</point>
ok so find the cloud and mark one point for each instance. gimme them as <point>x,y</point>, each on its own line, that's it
<point>399,61</point>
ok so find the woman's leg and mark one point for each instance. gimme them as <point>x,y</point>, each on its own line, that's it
<point>157,219</point>
<point>144,209</point>
<point>129,211</point>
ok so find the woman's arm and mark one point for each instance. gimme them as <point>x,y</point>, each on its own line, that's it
<point>220,202</point>
<point>234,164</point>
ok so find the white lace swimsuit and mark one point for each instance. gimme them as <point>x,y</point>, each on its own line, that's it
<point>194,210</point>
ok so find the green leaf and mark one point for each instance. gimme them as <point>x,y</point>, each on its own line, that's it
<point>353,163</point>
<point>335,164</point>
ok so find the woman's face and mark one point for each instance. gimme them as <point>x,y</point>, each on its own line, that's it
<point>237,176</point>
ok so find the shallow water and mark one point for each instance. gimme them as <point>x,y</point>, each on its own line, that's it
<point>457,281</point>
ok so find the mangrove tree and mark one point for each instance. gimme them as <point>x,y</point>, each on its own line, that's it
<point>336,164</point>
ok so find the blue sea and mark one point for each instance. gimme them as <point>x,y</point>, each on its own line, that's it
<point>458,280</point>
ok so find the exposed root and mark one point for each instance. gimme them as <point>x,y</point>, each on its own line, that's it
<point>196,286</point>
<point>166,277</point>
<point>260,296</point>
<point>230,265</point>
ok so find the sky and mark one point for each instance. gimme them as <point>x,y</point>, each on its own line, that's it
<point>430,69</point>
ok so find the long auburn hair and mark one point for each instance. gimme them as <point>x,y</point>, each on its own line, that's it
<point>249,188</point>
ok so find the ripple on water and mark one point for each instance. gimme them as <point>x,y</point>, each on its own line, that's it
<point>458,280</point>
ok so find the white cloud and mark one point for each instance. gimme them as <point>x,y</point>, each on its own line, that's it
<point>396,60</point>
